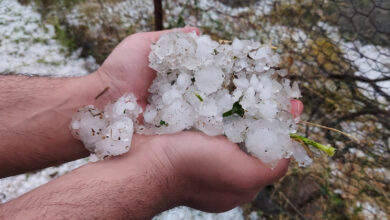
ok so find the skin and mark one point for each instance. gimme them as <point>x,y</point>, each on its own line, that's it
<point>158,173</point>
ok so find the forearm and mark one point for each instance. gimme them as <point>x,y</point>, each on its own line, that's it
<point>34,115</point>
<point>103,190</point>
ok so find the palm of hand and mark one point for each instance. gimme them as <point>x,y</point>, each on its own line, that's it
<point>126,69</point>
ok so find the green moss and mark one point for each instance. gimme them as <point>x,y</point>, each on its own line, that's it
<point>63,36</point>
<point>46,4</point>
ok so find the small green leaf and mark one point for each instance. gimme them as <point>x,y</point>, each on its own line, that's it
<point>228,113</point>
<point>237,109</point>
<point>199,97</point>
<point>163,123</point>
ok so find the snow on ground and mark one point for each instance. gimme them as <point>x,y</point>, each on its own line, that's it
<point>127,14</point>
<point>27,47</point>
<point>185,213</point>
<point>372,61</point>
<point>371,211</point>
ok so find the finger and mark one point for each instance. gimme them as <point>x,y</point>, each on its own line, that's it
<point>154,36</point>
<point>264,175</point>
<point>296,108</point>
<point>189,29</point>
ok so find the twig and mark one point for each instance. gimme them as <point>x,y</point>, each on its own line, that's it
<point>292,205</point>
<point>327,99</point>
<point>332,129</point>
<point>102,92</point>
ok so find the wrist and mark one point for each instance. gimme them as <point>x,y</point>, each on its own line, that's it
<point>148,176</point>
<point>144,179</point>
<point>152,153</point>
<point>87,90</point>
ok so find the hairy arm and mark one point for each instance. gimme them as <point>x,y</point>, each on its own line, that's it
<point>34,115</point>
<point>121,188</point>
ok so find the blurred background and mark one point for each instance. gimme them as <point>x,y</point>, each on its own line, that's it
<point>339,51</point>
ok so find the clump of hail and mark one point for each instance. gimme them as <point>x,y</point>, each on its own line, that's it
<point>233,89</point>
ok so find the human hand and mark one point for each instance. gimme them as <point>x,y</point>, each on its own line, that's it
<point>127,68</point>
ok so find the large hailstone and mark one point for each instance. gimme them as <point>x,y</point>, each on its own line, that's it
<point>107,133</point>
<point>235,90</point>
<point>209,79</point>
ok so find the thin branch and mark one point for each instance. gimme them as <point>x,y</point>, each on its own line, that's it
<point>292,205</point>
<point>332,129</point>
<point>158,15</point>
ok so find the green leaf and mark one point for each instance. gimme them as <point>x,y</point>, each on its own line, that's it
<point>325,148</point>
<point>199,97</point>
<point>163,123</point>
<point>237,109</point>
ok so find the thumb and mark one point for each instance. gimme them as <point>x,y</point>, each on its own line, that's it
<point>296,108</point>
<point>155,35</point>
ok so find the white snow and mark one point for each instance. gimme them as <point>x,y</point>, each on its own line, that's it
<point>27,45</point>
<point>371,211</point>
<point>185,213</point>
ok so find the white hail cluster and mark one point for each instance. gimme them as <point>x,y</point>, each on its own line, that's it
<point>107,133</point>
<point>234,89</point>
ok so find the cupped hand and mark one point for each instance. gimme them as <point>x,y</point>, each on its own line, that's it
<point>127,69</point>
<point>208,173</point>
